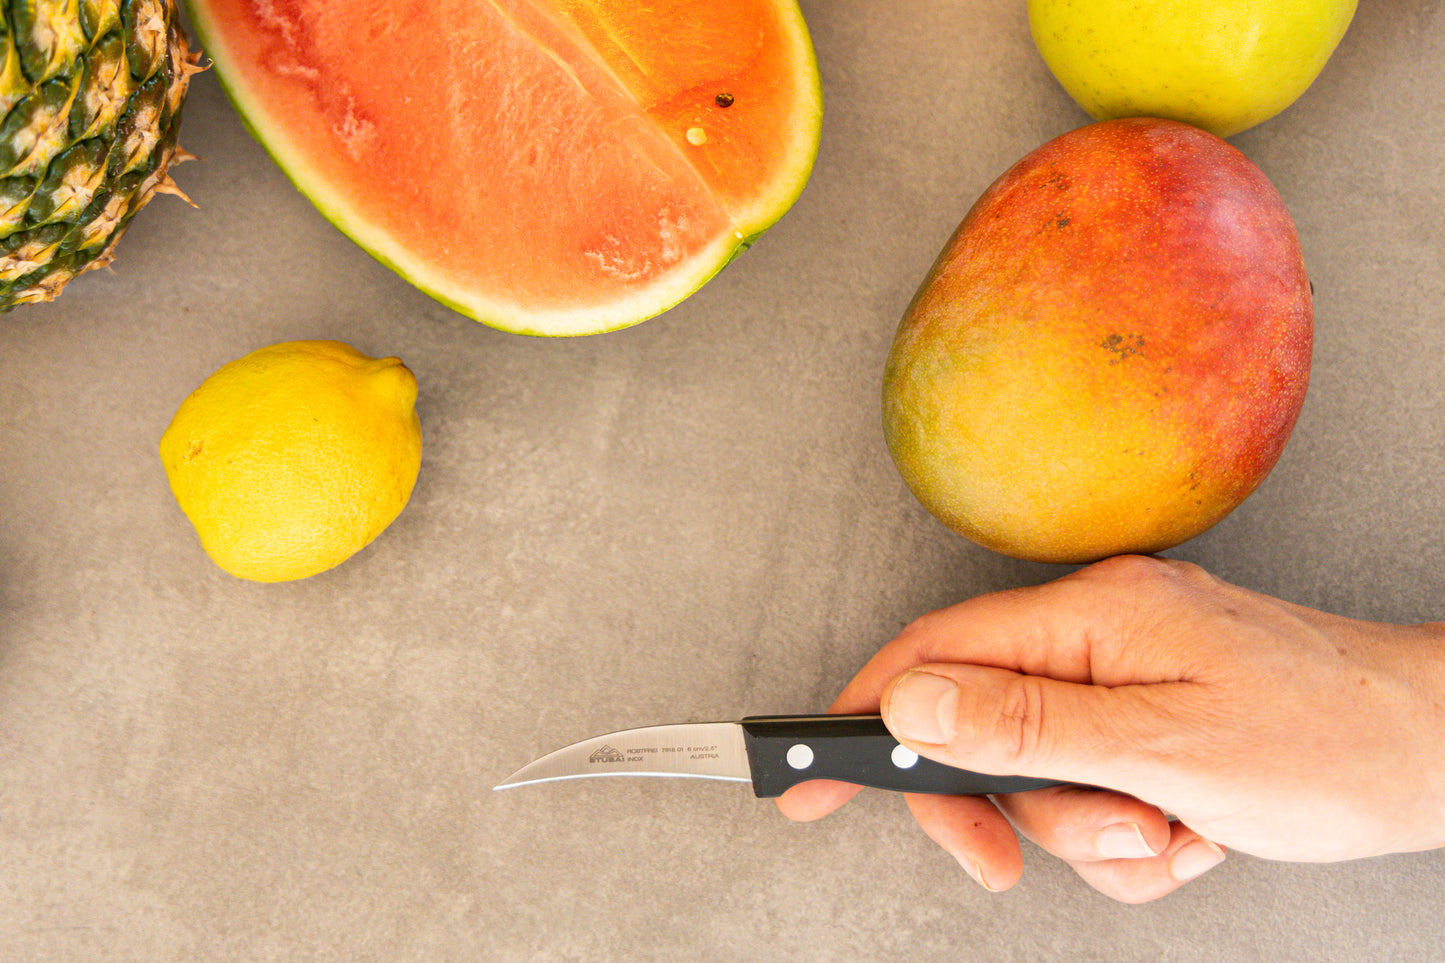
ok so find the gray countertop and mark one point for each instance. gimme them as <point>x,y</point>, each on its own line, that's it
<point>691,519</point>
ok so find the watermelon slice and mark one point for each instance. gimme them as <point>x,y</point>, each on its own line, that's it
<point>551,167</point>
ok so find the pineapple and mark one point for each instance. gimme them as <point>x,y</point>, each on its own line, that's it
<point>91,94</point>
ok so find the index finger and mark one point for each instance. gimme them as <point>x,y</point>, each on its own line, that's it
<point>1081,628</point>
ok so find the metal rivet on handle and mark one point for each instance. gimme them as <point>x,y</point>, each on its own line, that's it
<point>903,757</point>
<point>800,756</point>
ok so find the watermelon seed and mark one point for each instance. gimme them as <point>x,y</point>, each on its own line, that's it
<point>724,99</point>
<point>696,136</point>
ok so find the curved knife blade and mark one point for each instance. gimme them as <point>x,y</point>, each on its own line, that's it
<point>705,750</point>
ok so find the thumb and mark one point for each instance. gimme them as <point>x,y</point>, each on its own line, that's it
<point>997,721</point>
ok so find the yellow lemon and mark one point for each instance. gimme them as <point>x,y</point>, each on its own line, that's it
<point>290,460</point>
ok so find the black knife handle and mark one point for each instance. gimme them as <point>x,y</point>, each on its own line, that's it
<point>786,750</point>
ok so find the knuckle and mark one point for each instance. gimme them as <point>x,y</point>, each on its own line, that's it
<point>1132,570</point>
<point>1148,581</point>
<point>1020,729</point>
<point>928,636</point>
<point>921,628</point>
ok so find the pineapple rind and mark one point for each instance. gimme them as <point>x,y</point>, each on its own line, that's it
<point>90,100</point>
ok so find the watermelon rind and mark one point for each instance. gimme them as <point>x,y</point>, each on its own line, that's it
<point>434,280</point>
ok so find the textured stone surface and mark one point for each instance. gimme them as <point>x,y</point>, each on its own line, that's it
<point>689,520</point>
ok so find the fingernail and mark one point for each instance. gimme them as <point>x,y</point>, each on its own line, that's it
<point>1123,841</point>
<point>922,708</point>
<point>1195,859</point>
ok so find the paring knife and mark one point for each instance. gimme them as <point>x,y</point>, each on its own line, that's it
<point>772,752</point>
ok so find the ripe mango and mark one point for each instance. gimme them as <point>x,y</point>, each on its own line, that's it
<point>1110,353</point>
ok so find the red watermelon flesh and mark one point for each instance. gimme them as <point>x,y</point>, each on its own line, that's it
<point>545,166</point>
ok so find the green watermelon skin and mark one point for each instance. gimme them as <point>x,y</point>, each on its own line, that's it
<point>535,166</point>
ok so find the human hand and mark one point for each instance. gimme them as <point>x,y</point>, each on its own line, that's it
<point>1263,726</point>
